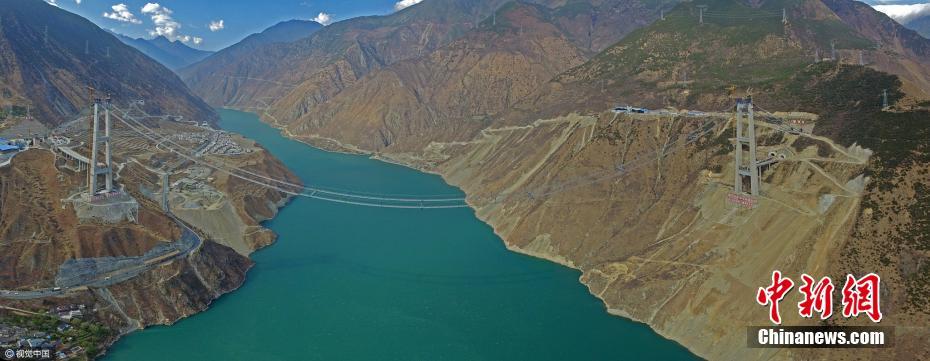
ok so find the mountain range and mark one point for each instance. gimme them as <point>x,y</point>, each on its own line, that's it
<point>172,54</point>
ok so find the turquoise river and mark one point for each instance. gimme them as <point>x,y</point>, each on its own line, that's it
<point>346,282</point>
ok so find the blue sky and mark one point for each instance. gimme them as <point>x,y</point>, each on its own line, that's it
<point>190,20</point>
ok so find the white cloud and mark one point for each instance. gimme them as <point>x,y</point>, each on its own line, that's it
<point>323,18</point>
<point>121,13</point>
<point>217,25</point>
<point>165,25</point>
<point>904,13</point>
<point>403,4</point>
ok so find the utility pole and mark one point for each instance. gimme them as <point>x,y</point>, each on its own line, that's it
<point>746,138</point>
<point>701,9</point>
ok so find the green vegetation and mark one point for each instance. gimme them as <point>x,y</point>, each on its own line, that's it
<point>848,100</point>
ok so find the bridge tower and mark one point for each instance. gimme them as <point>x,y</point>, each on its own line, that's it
<point>95,169</point>
<point>746,138</point>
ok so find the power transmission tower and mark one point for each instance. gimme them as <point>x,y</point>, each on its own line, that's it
<point>86,47</point>
<point>662,14</point>
<point>833,50</point>
<point>45,35</point>
<point>746,138</point>
<point>701,9</point>
<point>817,55</point>
<point>108,52</point>
<point>861,58</point>
<point>784,16</point>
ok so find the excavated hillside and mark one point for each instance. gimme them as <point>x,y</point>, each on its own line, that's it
<point>48,58</point>
<point>39,231</point>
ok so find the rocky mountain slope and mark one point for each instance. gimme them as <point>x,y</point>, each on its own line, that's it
<point>449,93</point>
<point>284,32</point>
<point>313,70</point>
<point>677,62</point>
<point>172,54</point>
<point>49,57</point>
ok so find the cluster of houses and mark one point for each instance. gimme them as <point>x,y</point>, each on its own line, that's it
<point>212,142</point>
<point>23,343</point>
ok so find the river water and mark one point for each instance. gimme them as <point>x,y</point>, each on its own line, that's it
<point>346,282</point>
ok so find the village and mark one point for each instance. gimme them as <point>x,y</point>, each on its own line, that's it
<point>65,332</point>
